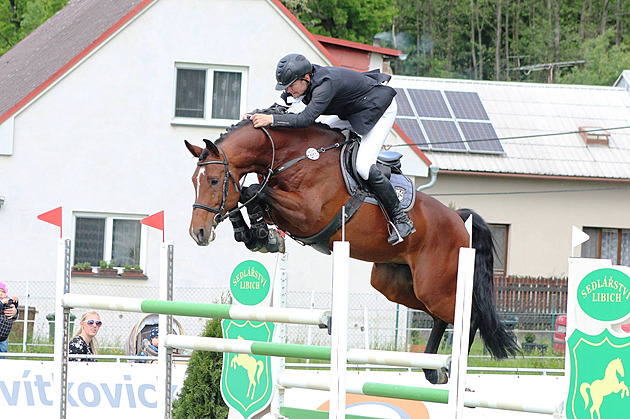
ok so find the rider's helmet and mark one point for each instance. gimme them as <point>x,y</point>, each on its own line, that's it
<point>290,68</point>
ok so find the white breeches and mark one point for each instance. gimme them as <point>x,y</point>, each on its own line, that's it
<point>372,142</point>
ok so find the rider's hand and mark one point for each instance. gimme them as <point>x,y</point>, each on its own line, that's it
<point>261,120</point>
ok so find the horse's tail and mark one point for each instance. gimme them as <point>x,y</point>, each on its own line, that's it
<point>499,340</point>
<point>584,394</point>
<point>260,367</point>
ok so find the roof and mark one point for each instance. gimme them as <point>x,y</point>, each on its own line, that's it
<point>356,45</point>
<point>537,126</point>
<point>57,45</point>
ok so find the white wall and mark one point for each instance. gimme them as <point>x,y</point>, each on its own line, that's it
<point>101,140</point>
<point>539,241</point>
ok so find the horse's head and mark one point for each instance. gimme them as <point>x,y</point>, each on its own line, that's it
<point>216,191</point>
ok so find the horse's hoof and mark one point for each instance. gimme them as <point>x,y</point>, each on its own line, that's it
<point>436,376</point>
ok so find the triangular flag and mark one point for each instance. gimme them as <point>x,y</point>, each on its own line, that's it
<point>578,236</point>
<point>53,217</point>
<point>156,221</point>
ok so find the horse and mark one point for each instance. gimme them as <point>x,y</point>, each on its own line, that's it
<point>253,367</point>
<point>419,273</point>
<point>607,385</point>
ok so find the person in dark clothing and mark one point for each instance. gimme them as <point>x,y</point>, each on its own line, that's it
<point>8,315</point>
<point>360,100</point>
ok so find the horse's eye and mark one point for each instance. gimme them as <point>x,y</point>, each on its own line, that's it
<point>214,181</point>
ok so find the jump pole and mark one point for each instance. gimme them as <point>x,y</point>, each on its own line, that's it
<point>180,308</point>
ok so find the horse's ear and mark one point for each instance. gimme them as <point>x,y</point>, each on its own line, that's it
<point>194,150</point>
<point>212,148</point>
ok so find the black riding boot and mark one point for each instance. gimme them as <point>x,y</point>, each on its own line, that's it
<point>384,191</point>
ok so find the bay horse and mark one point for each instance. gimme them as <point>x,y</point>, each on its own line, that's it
<point>420,273</point>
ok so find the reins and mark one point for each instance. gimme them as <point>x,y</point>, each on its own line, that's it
<point>311,153</point>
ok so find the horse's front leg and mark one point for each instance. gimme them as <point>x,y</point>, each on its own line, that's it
<point>264,239</point>
<point>242,232</point>
<point>624,389</point>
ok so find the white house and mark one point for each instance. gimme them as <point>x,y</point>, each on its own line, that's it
<point>556,156</point>
<point>93,118</point>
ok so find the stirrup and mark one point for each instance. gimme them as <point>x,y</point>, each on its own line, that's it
<point>394,235</point>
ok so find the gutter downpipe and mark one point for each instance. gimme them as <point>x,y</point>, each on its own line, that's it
<point>433,172</point>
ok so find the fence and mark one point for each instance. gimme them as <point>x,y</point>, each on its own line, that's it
<point>534,301</point>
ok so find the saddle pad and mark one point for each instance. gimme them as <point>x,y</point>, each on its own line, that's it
<point>401,183</point>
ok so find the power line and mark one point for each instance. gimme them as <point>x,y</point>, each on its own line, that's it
<point>553,134</point>
<point>531,192</point>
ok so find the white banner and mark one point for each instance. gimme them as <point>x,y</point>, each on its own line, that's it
<point>95,389</point>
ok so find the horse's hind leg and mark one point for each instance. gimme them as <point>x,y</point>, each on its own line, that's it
<point>437,331</point>
<point>396,284</point>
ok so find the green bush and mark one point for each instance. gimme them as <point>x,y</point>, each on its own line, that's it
<point>201,394</point>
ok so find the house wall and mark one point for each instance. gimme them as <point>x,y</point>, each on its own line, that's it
<point>101,140</point>
<point>540,223</point>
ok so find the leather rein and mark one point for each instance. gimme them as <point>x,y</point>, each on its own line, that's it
<point>270,172</point>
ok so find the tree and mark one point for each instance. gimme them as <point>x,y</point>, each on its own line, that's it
<point>18,18</point>
<point>201,394</point>
<point>604,62</point>
<point>354,20</point>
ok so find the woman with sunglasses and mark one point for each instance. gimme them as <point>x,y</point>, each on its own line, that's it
<point>84,339</point>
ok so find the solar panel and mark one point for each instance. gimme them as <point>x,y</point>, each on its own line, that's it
<point>413,131</point>
<point>404,107</point>
<point>466,105</point>
<point>429,103</point>
<point>476,131</point>
<point>443,135</point>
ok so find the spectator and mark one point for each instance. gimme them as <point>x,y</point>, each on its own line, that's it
<point>150,346</point>
<point>8,314</point>
<point>84,340</point>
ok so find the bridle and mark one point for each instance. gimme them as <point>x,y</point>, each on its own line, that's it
<point>229,175</point>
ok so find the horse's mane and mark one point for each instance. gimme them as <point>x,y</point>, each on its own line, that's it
<point>272,110</point>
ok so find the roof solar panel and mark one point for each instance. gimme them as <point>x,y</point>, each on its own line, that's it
<point>443,135</point>
<point>429,103</point>
<point>413,131</point>
<point>404,107</point>
<point>466,105</point>
<point>481,137</point>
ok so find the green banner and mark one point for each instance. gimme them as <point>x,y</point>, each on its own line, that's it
<point>250,283</point>
<point>598,387</point>
<point>604,294</point>
<point>246,380</point>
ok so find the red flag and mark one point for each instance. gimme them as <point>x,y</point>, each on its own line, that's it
<point>53,217</point>
<point>156,221</point>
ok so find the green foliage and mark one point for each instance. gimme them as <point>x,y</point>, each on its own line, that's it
<point>83,266</point>
<point>201,394</point>
<point>604,62</point>
<point>530,337</point>
<point>18,18</point>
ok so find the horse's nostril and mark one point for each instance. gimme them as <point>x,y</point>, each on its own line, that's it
<point>200,234</point>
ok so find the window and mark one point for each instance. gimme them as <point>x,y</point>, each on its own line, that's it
<point>108,237</point>
<point>206,95</point>
<point>500,234</point>
<point>607,243</point>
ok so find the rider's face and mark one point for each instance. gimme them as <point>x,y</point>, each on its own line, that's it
<point>299,86</point>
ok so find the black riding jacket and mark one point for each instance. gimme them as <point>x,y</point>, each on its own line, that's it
<point>360,98</point>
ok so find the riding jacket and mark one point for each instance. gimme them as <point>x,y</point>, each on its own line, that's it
<point>359,98</point>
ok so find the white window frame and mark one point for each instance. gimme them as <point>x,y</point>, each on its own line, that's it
<point>207,120</point>
<point>109,233</point>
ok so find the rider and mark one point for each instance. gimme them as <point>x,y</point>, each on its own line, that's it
<point>362,100</point>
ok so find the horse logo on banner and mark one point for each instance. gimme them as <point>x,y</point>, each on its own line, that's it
<point>597,345</point>
<point>246,381</point>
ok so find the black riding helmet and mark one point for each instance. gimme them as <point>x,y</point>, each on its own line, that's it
<point>290,68</point>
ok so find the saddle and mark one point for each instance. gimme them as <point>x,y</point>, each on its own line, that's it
<point>389,163</point>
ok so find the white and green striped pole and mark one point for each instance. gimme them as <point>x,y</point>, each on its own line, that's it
<point>180,308</point>
<point>322,353</point>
